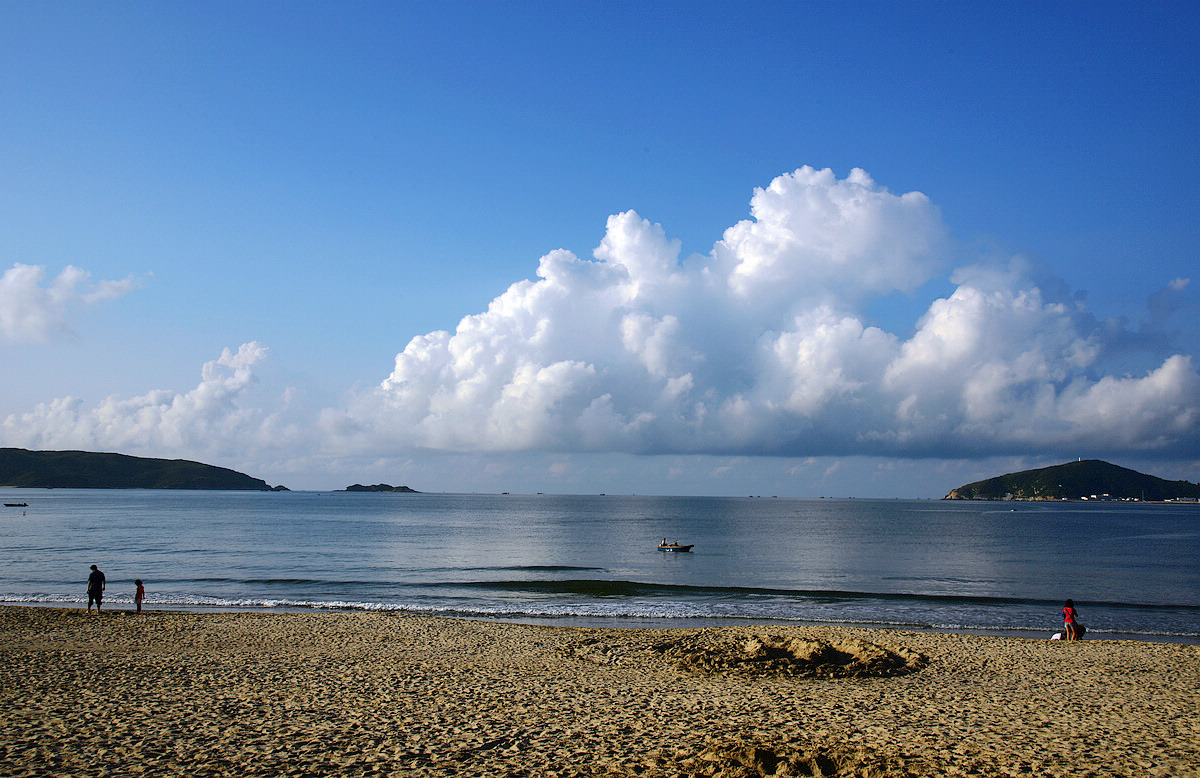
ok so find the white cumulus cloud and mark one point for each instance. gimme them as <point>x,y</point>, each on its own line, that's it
<point>763,347</point>
<point>33,312</point>
<point>813,231</point>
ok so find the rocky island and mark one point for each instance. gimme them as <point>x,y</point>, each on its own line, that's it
<point>380,488</point>
<point>22,468</point>
<point>1086,479</point>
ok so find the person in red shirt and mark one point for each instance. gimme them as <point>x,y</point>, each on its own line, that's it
<point>1070,620</point>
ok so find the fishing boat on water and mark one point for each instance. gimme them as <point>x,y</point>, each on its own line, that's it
<point>665,546</point>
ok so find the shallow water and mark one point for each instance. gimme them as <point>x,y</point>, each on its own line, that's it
<point>924,564</point>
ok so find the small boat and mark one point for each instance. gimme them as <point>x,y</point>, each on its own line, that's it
<point>16,505</point>
<point>674,547</point>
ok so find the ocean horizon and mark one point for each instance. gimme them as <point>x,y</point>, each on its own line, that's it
<point>592,560</point>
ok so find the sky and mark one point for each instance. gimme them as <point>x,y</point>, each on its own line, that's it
<point>798,249</point>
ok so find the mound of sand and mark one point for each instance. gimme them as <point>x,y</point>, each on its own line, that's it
<point>714,651</point>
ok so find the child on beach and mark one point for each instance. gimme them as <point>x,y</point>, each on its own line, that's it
<point>1070,618</point>
<point>139,595</point>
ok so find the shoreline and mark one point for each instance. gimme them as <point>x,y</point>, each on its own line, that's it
<point>336,693</point>
<point>622,622</point>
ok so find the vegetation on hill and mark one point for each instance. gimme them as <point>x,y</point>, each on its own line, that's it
<point>380,488</point>
<point>1086,479</point>
<point>88,470</point>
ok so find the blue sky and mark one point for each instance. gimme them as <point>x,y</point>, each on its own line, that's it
<point>867,249</point>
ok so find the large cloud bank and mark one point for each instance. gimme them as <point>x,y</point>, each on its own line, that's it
<point>31,312</point>
<point>762,347</point>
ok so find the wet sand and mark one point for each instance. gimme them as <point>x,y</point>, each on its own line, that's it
<point>208,694</point>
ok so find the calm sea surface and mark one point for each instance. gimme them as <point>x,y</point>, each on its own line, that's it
<point>1133,570</point>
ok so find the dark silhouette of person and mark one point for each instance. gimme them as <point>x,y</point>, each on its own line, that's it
<point>95,588</point>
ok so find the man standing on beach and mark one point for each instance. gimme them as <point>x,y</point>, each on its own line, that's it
<point>95,588</point>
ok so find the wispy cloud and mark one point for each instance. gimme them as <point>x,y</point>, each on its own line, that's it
<point>33,312</point>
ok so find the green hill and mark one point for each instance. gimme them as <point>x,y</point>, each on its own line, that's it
<point>1074,481</point>
<point>87,470</point>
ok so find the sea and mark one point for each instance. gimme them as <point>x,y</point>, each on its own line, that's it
<point>1003,568</point>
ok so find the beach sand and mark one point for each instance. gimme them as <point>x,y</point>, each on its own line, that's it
<point>206,694</point>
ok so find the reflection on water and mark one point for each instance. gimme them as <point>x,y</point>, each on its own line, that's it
<point>914,563</point>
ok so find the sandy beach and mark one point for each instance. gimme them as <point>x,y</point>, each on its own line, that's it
<point>207,694</point>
